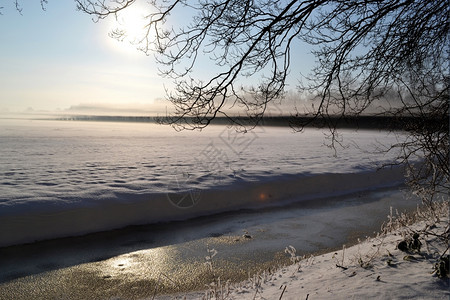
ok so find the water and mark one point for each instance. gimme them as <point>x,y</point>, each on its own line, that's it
<point>60,178</point>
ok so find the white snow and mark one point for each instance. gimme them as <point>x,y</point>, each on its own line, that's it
<point>63,178</point>
<point>372,269</point>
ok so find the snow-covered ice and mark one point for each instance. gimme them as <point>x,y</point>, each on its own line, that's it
<point>63,178</point>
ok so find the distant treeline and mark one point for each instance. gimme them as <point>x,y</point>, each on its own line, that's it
<point>359,122</point>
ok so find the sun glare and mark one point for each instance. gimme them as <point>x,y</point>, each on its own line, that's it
<point>128,29</point>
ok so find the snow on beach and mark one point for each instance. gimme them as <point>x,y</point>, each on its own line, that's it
<point>372,269</point>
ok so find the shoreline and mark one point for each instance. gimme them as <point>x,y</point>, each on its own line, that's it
<point>371,269</point>
<point>40,221</point>
<point>137,260</point>
<point>367,122</point>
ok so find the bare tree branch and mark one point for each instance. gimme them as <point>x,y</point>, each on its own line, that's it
<point>367,52</point>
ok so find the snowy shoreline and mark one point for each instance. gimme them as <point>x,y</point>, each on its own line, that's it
<point>135,264</point>
<point>48,221</point>
<point>372,269</point>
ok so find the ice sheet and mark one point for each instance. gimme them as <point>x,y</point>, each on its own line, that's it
<point>61,178</point>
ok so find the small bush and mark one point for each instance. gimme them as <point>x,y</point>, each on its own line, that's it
<point>441,268</point>
<point>410,244</point>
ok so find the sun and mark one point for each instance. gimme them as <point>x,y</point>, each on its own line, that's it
<point>128,29</point>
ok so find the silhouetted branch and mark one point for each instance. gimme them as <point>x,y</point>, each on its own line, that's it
<point>367,53</point>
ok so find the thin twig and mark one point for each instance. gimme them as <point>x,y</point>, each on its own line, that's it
<point>281,296</point>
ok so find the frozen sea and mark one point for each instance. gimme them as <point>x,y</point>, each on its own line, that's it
<point>63,178</point>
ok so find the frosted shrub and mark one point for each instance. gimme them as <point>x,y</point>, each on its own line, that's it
<point>292,252</point>
<point>209,260</point>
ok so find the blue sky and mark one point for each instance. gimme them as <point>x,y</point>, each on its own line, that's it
<point>56,59</point>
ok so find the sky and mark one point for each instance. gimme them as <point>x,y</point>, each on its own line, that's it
<point>60,60</point>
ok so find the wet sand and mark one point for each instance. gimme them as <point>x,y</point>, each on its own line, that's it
<point>143,261</point>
